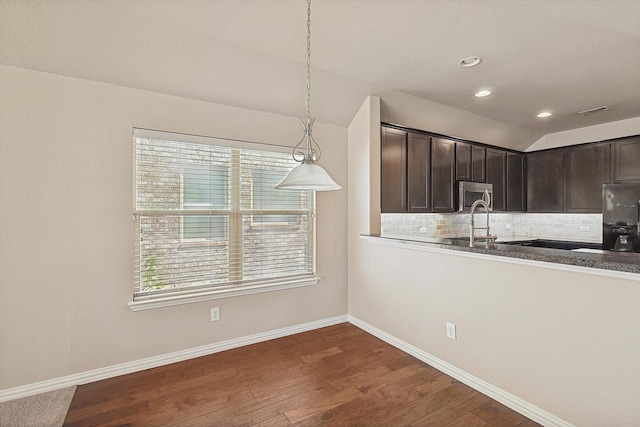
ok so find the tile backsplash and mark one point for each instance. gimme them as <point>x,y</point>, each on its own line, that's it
<point>579,227</point>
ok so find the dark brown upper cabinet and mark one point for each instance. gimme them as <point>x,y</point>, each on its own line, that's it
<point>470,162</point>
<point>516,182</point>
<point>442,175</point>
<point>463,161</point>
<point>545,181</point>
<point>418,176</point>
<point>405,172</point>
<point>393,171</point>
<point>497,175</point>
<point>626,159</point>
<point>419,173</point>
<point>478,163</point>
<point>586,169</point>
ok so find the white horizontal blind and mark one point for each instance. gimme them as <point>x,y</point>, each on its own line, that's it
<point>208,218</point>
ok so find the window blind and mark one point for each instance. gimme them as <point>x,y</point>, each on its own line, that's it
<point>207,217</point>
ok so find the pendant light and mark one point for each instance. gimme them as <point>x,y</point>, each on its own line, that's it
<point>308,175</point>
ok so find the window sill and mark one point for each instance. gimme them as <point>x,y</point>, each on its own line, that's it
<point>217,294</point>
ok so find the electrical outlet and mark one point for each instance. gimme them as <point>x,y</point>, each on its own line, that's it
<point>451,331</point>
<point>584,228</point>
<point>215,314</point>
<point>508,226</point>
<point>423,230</point>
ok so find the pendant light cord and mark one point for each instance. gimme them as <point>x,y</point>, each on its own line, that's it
<point>312,152</point>
<point>308,119</point>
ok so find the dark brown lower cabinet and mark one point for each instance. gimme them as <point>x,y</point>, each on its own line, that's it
<point>497,175</point>
<point>545,181</point>
<point>586,169</point>
<point>442,175</point>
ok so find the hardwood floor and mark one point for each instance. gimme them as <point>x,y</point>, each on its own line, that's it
<point>335,376</point>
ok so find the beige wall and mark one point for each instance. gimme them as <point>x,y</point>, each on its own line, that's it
<point>66,249</point>
<point>364,155</point>
<point>565,342</point>
<point>602,132</point>
<point>417,113</point>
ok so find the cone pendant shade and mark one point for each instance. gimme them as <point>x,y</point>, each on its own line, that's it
<point>308,176</point>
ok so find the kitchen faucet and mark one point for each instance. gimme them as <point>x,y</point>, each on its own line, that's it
<point>472,235</point>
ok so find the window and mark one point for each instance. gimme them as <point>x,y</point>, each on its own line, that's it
<point>204,188</point>
<point>209,224</point>
<point>264,195</point>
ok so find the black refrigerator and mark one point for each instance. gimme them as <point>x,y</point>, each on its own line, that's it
<point>620,217</point>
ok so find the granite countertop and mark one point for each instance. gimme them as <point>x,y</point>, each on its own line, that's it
<point>600,259</point>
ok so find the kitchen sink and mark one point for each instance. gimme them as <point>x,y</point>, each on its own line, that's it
<point>544,243</point>
<point>554,244</point>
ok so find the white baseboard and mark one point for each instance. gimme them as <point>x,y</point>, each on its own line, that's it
<point>528,410</point>
<point>164,359</point>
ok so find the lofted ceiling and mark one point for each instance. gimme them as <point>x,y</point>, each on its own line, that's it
<point>563,56</point>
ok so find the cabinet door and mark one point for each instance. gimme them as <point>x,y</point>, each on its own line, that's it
<point>463,161</point>
<point>626,159</point>
<point>545,181</point>
<point>393,171</point>
<point>418,177</point>
<point>586,169</point>
<point>497,175</point>
<point>478,164</point>
<point>470,162</point>
<point>442,175</point>
<point>516,182</point>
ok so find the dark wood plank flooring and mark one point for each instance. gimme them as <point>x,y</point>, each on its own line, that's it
<point>335,376</point>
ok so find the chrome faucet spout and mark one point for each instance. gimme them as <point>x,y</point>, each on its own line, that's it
<point>472,229</point>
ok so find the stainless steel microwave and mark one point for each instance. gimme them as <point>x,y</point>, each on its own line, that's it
<point>469,192</point>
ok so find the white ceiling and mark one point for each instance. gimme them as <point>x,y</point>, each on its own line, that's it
<point>558,55</point>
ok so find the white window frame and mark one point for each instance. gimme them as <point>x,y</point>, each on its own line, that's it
<point>246,288</point>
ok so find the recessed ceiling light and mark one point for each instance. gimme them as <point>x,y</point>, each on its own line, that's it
<point>470,61</point>
<point>482,93</point>
<point>544,114</point>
